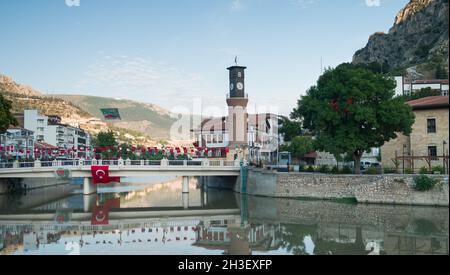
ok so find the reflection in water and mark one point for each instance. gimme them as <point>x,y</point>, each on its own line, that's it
<point>158,219</point>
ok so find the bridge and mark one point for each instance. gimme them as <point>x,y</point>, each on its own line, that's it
<point>122,168</point>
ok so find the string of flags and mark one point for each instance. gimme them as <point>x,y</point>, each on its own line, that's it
<point>151,150</point>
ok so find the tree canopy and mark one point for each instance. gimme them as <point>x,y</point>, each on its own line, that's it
<point>300,146</point>
<point>289,128</point>
<point>6,117</point>
<point>104,139</point>
<point>351,110</point>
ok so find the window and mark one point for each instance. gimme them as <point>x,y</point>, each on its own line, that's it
<point>445,92</point>
<point>214,138</point>
<point>239,74</point>
<point>431,125</point>
<point>432,151</point>
<point>220,138</point>
<point>209,138</point>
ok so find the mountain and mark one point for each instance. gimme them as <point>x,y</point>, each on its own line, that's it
<point>146,118</point>
<point>8,84</point>
<point>416,43</point>
<point>24,97</point>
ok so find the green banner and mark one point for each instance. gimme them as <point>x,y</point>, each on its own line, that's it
<point>111,114</point>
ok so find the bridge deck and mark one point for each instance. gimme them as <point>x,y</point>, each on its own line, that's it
<point>82,169</point>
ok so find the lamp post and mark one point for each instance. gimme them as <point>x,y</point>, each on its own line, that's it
<point>404,148</point>
<point>443,154</point>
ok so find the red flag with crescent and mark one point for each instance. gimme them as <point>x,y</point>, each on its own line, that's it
<point>100,175</point>
<point>100,215</point>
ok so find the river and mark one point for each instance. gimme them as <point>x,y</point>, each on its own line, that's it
<point>153,217</point>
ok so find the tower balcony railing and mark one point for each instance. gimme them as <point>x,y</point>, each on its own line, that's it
<point>229,96</point>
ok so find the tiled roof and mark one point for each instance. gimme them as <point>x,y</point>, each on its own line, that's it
<point>430,81</point>
<point>43,145</point>
<point>431,102</point>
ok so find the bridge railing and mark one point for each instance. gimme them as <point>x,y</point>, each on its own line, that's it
<point>125,163</point>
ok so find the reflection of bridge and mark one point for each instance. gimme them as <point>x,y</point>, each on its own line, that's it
<point>121,168</point>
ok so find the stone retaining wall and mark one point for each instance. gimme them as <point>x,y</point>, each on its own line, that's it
<point>384,189</point>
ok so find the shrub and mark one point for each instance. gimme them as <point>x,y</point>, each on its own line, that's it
<point>424,171</point>
<point>324,169</point>
<point>347,170</point>
<point>409,171</point>
<point>438,169</point>
<point>335,170</point>
<point>372,171</point>
<point>310,169</point>
<point>424,183</point>
<point>390,170</point>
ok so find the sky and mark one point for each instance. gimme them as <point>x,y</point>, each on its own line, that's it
<point>174,53</point>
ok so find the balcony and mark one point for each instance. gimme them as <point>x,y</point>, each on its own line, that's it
<point>229,96</point>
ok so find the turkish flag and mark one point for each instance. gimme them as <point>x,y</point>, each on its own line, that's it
<point>100,175</point>
<point>100,215</point>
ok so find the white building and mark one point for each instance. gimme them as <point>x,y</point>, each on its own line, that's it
<point>408,87</point>
<point>49,129</point>
<point>262,136</point>
<point>17,142</point>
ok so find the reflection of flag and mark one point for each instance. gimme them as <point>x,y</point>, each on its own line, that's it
<point>112,203</point>
<point>100,216</point>
<point>100,175</point>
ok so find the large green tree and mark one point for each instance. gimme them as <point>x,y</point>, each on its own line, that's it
<point>352,110</point>
<point>6,117</point>
<point>300,146</point>
<point>289,128</point>
<point>105,139</point>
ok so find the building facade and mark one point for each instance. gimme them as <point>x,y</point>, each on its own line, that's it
<point>50,130</point>
<point>408,87</point>
<point>429,137</point>
<point>17,142</point>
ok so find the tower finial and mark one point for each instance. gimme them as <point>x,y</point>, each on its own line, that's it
<point>235,60</point>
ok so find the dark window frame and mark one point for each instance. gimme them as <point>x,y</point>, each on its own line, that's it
<point>433,152</point>
<point>431,127</point>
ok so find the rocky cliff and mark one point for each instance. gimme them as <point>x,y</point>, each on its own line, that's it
<point>7,83</point>
<point>418,39</point>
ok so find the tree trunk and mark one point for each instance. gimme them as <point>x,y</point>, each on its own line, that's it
<point>357,159</point>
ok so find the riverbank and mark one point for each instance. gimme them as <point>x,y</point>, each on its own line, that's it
<point>376,189</point>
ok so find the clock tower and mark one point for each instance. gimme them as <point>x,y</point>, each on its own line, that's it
<point>237,101</point>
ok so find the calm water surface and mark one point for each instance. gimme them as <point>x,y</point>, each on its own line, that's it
<point>153,217</point>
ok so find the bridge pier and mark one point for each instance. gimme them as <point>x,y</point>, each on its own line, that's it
<point>186,200</point>
<point>88,187</point>
<point>88,202</point>
<point>185,185</point>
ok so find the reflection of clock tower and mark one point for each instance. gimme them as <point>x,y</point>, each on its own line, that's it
<point>237,122</point>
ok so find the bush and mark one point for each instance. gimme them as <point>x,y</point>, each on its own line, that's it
<point>310,169</point>
<point>438,169</point>
<point>324,169</point>
<point>424,183</point>
<point>409,171</point>
<point>335,170</point>
<point>372,171</point>
<point>424,171</point>
<point>347,170</point>
<point>390,170</point>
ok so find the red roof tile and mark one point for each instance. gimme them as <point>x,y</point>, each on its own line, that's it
<point>430,102</point>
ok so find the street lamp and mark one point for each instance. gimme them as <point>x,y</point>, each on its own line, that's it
<point>404,148</point>
<point>443,153</point>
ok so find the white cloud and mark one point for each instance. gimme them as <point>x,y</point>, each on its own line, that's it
<point>304,3</point>
<point>373,3</point>
<point>237,6</point>
<point>143,79</point>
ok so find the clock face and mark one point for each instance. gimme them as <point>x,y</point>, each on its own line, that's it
<point>240,86</point>
<point>231,86</point>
